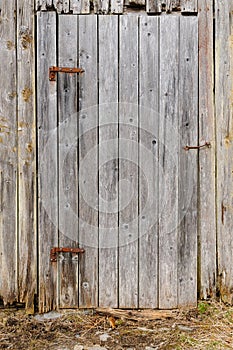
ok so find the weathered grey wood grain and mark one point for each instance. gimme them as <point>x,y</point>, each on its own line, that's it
<point>108,161</point>
<point>101,7</point>
<point>27,266</point>
<point>8,150</point>
<point>224,132</point>
<point>58,5</point>
<point>80,6</point>
<point>66,6</point>
<point>148,161</point>
<point>128,162</point>
<point>117,6</point>
<point>153,6</point>
<point>68,159</point>
<point>190,5</point>
<point>207,226</point>
<point>188,162</point>
<point>88,179</point>
<point>168,160</point>
<point>47,159</point>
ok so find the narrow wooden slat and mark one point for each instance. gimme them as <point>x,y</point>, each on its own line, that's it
<point>8,150</point>
<point>101,7</point>
<point>80,6</point>
<point>148,161</point>
<point>188,166</point>
<point>68,159</point>
<point>58,5</point>
<point>190,5</point>
<point>117,6</point>
<point>128,164</point>
<point>207,227</point>
<point>168,160</point>
<point>27,268</point>
<point>224,132</point>
<point>88,160</point>
<point>66,6</point>
<point>153,6</point>
<point>47,159</point>
<point>108,161</point>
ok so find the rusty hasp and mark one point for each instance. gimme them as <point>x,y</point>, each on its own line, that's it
<point>55,250</point>
<point>53,70</point>
<point>206,144</point>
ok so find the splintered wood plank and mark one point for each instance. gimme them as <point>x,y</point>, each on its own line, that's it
<point>101,7</point>
<point>88,161</point>
<point>188,132</point>
<point>27,279</point>
<point>168,161</point>
<point>148,162</point>
<point>128,162</point>
<point>207,227</point>
<point>117,6</point>
<point>108,161</point>
<point>80,6</point>
<point>68,159</point>
<point>191,5</point>
<point>47,159</point>
<point>224,115</point>
<point>66,6</point>
<point>153,6</point>
<point>8,150</point>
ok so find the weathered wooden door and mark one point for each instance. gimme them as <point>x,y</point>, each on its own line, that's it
<point>114,177</point>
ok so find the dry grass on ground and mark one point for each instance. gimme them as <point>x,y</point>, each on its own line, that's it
<point>210,326</point>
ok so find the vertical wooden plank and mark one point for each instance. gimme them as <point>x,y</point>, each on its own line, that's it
<point>188,166</point>
<point>27,279</point>
<point>80,6</point>
<point>58,5</point>
<point>8,161</point>
<point>207,226</point>
<point>148,161</point>
<point>68,159</point>
<point>128,164</point>
<point>47,159</point>
<point>108,161</point>
<point>66,6</point>
<point>224,125</point>
<point>117,6</point>
<point>168,158</point>
<point>88,168</point>
<point>189,5</point>
<point>153,6</point>
<point>101,7</point>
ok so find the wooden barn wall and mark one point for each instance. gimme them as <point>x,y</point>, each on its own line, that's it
<point>18,226</point>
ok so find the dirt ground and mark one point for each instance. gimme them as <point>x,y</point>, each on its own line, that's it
<point>210,326</point>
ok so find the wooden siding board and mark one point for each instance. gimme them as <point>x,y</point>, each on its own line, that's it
<point>148,161</point>
<point>47,160</point>
<point>80,6</point>
<point>207,226</point>
<point>68,159</point>
<point>27,266</point>
<point>168,158</point>
<point>224,132</point>
<point>108,161</point>
<point>188,166</point>
<point>117,6</point>
<point>153,6</point>
<point>189,5</point>
<point>8,161</point>
<point>101,7</point>
<point>128,162</point>
<point>88,139</point>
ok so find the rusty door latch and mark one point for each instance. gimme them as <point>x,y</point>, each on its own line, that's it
<point>206,144</point>
<point>53,70</point>
<point>55,250</point>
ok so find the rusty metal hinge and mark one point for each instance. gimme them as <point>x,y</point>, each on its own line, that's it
<point>206,144</point>
<point>55,250</point>
<point>53,70</point>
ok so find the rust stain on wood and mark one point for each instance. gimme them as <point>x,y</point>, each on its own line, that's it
<point>10,45</point>
<point>27,93</point>
<point>25,37</point>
